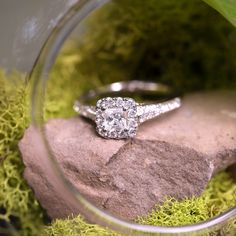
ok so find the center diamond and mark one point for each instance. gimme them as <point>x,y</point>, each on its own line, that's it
<point>116,117</point>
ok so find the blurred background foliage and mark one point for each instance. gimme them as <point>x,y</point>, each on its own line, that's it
<point>226,7</point>
<point>184,43</point>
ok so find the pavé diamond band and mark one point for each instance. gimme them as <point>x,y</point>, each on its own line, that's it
<point>119,117</point>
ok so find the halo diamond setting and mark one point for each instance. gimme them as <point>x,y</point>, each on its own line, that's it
<point>119,117</point>
<point>116,117</point>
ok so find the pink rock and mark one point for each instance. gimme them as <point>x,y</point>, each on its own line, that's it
<point>174,155</point>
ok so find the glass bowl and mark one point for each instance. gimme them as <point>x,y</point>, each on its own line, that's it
<point>73,17</point>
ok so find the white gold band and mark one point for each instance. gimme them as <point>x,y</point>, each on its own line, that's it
<point>112,115</point>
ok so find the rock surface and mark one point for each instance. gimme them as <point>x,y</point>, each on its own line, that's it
<point>173,155</point>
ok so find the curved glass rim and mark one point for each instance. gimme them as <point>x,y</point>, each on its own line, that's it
<point>39,76</point>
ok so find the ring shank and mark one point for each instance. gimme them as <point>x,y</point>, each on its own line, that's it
<point>150,111</point>
<point>133,86</point>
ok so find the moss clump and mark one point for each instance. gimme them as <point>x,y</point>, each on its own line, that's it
<point>17,204</point>
<point>218,197</point>
<point>76,227</point>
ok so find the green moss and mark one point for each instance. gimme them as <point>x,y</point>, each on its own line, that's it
<point>17,202</point>
<point>76,227</point>
<point>219,196</point>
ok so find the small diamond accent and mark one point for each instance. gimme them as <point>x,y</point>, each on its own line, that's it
<point>116,117</point>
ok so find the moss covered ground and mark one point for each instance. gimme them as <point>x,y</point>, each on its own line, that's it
<point>17,202</point>
<point>163,42</point>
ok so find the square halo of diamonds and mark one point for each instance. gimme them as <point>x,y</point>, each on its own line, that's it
<point>116,117</point>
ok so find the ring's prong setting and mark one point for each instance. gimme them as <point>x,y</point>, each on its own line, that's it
<point>119,117</point>
<point>113,117</point>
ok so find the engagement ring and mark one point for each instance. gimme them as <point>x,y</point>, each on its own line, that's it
<point>119,117</point>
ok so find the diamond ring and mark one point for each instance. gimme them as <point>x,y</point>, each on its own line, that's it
<point>119,117</point>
